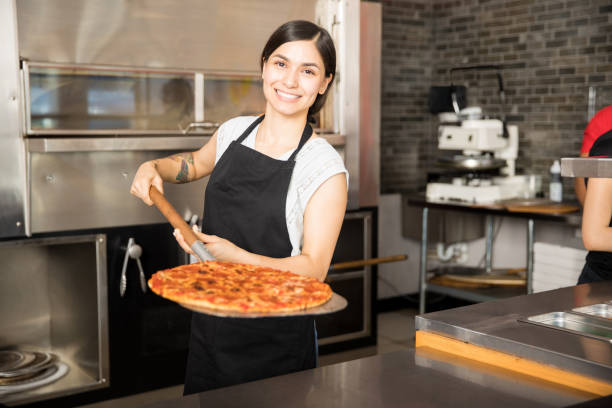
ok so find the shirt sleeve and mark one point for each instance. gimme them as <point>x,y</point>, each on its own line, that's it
<point>319,163</point>
<point>227,133</point>
<point>221,140</point>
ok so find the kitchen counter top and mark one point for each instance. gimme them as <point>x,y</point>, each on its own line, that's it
<point>432,378</point>
<point>586,167</point>
<point>411,377</point>
<point>495,325</point>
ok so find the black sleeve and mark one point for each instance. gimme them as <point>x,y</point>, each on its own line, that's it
<point>602,145</point>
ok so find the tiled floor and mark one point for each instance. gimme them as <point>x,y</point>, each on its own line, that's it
<point>395,332</point>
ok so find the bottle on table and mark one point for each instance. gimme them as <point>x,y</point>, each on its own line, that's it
<point>556,187</point>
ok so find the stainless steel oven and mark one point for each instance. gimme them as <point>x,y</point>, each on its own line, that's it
<point>53,301</point>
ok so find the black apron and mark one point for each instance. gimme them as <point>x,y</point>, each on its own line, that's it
<point>245,204</point>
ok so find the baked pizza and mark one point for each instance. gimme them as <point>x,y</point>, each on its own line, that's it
<point>232,287</point>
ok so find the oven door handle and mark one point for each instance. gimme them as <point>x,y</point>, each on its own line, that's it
<point>195,125</point>
<point>115,144</point>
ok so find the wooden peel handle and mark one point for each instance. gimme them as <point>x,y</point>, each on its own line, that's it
<point>365,262</point>
<point>172,216</point>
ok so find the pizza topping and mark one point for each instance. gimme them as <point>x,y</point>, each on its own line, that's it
<point>247,289</point>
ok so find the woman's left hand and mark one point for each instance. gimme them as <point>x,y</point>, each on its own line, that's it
<point>220,248</point>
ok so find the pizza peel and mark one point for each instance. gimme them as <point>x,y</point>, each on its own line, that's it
<point>334,304</point>
<point>179,223</point>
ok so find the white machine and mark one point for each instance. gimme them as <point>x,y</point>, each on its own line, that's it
<point>484,147</point>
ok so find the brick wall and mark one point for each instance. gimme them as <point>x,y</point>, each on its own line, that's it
<point>406,74</point>
<point>551,52</point>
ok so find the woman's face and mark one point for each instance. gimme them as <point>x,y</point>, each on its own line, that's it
<point>293,76</point>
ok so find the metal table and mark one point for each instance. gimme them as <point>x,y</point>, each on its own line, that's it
<point>586,167</point>
<point>428,377</point>
<point>490,212</point>
<point>403,378</point>
<point>495,325</point>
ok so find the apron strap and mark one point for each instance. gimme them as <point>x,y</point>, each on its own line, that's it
<point>250,129</point>
<point>305,136</point>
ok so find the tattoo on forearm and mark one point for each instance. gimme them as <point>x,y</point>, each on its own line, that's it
<point>186,161</point>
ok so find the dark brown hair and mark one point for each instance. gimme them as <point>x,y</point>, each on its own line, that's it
<point>300,30</point>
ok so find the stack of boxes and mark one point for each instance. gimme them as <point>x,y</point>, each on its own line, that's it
<point>556,266</point>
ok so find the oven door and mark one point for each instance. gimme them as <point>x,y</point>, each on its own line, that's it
<point>353,326</point>
<point>148,334</point>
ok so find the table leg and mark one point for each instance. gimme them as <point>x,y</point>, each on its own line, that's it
<point>423,263</point>
<point>489,246</point>
<point>530,237</point>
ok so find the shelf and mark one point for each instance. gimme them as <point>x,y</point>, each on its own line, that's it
<point>478,294</point>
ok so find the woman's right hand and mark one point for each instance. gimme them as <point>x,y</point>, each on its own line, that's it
<point>145,177</point>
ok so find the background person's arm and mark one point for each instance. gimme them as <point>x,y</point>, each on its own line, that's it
<point>596,230</point>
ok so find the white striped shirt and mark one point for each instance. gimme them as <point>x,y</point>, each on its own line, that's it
<point>316,162</point>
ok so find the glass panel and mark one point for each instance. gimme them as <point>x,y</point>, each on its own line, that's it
<point>603,97</point>
<point>350,245</point>
<point>599,97</point>
<point>229,96</point>
<point>97,99</point>
<point>349,320</point>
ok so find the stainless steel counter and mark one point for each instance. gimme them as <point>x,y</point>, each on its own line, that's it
<point>586,167</point>
<point>495,325</point>
<point>403,378</point>
<point>430,378</point>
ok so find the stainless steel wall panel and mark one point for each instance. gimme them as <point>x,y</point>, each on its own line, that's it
<point>12,153</point>
<point>370,85</point>
<point>210,35</point>
<point>345,28</point>
<point>81,190</point>
<point>24,300</point>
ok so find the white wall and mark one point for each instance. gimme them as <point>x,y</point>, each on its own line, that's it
<point>397,278</point>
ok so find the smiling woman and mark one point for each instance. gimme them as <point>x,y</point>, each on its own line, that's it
<point>276,197</point>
